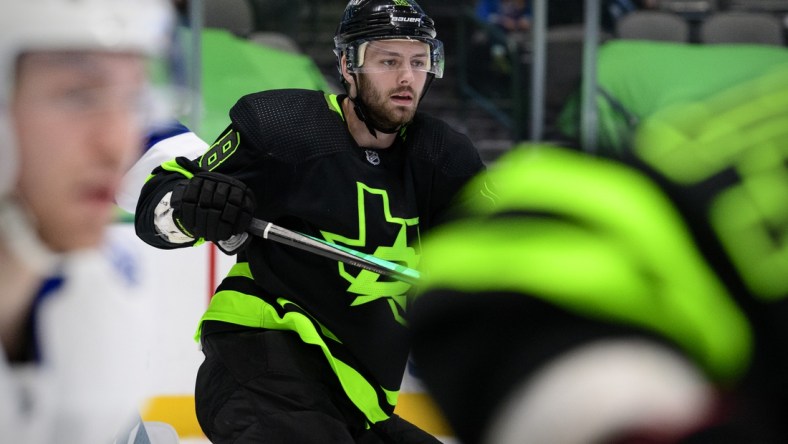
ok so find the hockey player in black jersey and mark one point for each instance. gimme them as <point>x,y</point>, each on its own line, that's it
<point>299,348</point>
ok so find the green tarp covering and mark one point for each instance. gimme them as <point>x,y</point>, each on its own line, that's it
<point>639,78</point>
<point>233,67</point>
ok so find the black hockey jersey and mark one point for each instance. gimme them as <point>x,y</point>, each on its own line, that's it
<point>293,149</point>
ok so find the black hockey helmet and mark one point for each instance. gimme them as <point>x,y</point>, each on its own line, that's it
<point>368,20</point>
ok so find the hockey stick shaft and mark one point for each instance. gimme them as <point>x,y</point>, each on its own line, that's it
<point>268,230</point>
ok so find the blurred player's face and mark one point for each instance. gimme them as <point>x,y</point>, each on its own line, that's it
<point>393,80</point>
<point>77,122</point>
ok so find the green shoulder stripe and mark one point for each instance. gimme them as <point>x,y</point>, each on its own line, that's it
<point>333,104</point>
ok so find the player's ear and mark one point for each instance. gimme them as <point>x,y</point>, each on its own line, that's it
<point>349,79</point>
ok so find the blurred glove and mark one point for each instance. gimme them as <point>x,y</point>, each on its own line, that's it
<point>213,206</point>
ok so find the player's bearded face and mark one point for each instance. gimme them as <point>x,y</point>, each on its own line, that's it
<point>388,107</point>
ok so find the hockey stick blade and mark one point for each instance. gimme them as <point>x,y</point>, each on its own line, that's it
<point>268,230</point>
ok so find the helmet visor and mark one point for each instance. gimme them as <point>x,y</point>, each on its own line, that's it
<point>385,55</point>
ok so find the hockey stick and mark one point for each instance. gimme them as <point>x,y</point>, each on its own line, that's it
<point>268,230</point>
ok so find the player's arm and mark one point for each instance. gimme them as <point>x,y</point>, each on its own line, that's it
<point>185,202</point>
<point>163,143</point>
<point>460,180</point>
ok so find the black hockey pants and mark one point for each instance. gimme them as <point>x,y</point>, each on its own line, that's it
<point>268,387</point>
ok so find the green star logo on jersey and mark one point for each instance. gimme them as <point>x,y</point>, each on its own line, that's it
<point>366,284</point>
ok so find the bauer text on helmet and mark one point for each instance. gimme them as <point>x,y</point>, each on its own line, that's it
<point>366,21</point>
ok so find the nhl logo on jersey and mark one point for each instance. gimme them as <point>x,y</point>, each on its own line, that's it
<point>372,157</point>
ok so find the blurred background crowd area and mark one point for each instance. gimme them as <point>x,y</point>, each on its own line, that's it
<point>486,87</point>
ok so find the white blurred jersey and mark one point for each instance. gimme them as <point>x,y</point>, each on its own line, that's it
<point>93,338</point>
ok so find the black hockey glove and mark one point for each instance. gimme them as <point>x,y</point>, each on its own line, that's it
<point>213,206</point>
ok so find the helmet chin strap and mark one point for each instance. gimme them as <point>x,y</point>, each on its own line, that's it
<point>359,106</point>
